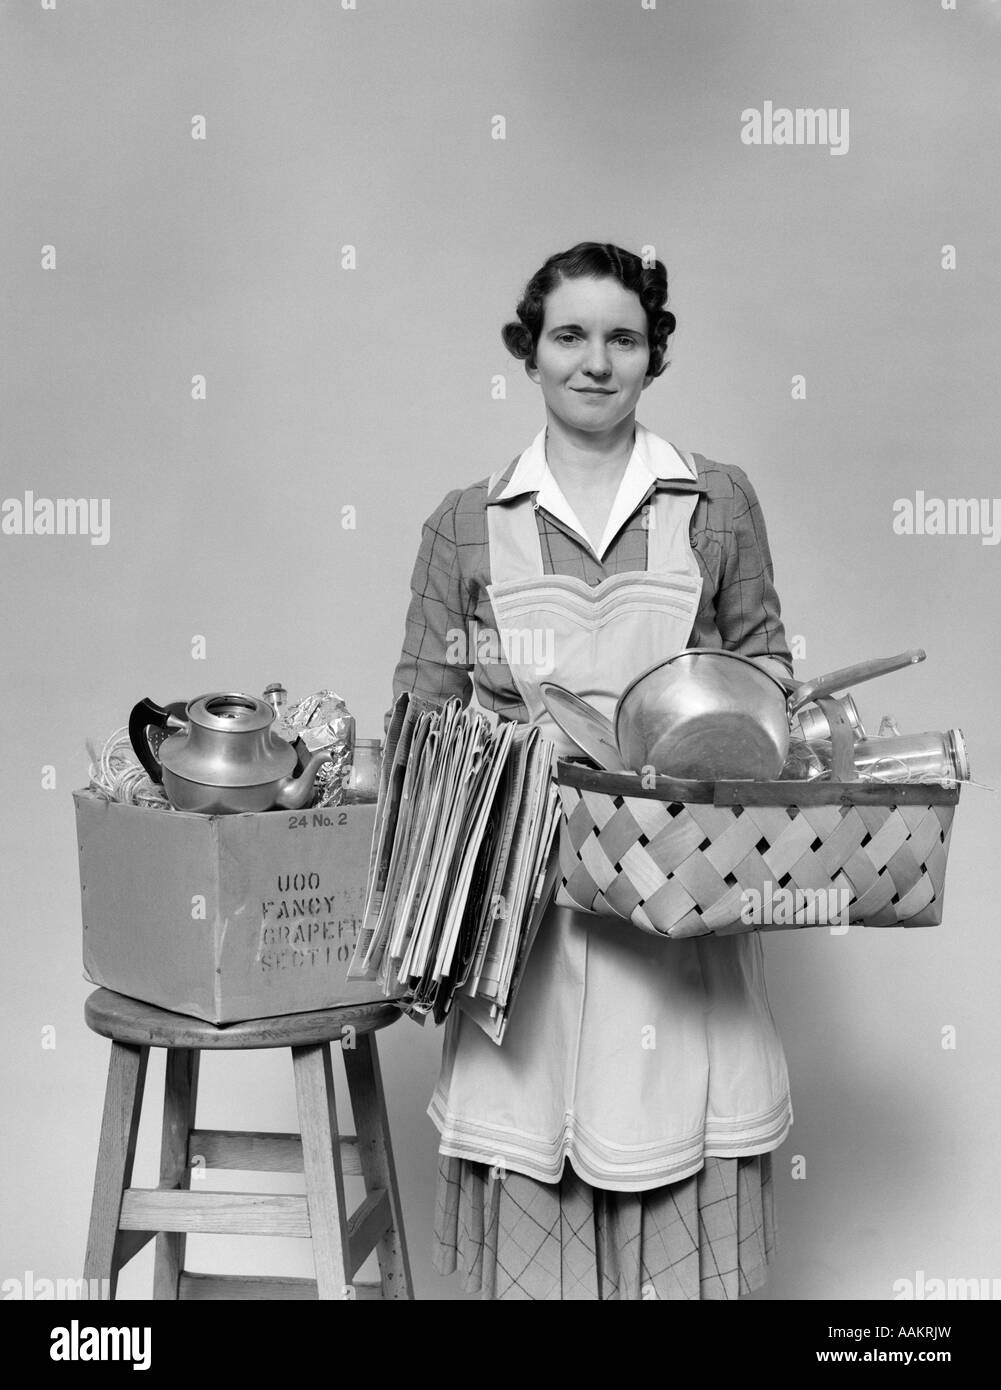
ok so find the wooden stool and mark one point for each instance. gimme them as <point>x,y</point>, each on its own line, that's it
<point>124,1218</point>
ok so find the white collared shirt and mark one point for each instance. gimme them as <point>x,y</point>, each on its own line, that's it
<point>651,458</point>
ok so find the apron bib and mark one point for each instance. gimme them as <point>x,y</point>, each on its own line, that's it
<point>631,1056</point>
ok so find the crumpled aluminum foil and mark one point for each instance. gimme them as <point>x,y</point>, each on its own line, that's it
<point>322,721</point>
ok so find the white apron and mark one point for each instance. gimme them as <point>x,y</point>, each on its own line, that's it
<point>633,1057</point>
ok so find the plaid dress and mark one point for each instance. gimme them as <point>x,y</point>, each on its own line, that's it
<point>509,1235</point>
<point>708,1236</point>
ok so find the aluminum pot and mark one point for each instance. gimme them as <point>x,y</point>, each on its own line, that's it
<point>713,715</point>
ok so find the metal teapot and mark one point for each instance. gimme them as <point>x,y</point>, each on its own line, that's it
<point>222,757</point>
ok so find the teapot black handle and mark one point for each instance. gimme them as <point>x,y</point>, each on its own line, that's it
<point>143,715</point>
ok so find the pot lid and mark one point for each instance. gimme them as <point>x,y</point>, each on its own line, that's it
<point>583,725</point>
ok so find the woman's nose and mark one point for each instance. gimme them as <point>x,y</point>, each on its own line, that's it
<point>596,361</point>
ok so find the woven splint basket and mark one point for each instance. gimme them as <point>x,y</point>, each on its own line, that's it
<point>688,858</point>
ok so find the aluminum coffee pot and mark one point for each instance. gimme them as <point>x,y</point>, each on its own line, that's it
<point>222,756</point>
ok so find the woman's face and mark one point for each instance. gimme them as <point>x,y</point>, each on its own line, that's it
<point>592,354</point>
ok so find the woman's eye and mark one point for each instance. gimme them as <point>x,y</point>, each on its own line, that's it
<point>575,337</point>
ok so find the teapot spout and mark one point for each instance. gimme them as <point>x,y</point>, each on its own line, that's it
<point>294,792</point>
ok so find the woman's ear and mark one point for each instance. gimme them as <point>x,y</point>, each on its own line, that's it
<point>531,370</point>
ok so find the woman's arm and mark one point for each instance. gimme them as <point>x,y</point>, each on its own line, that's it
<point>434,663</point>
<point>748,613</point>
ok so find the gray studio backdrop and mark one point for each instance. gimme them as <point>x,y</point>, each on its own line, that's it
<point>335,258</point>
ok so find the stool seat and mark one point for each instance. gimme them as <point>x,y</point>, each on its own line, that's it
<point>131,1021</point>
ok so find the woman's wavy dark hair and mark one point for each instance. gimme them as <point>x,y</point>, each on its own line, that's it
<point>598,261</point>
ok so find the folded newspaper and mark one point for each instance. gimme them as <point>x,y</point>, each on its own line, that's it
<point>462,866</point>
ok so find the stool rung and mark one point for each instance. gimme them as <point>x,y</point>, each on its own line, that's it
<point>214,1213</point>
<point>366,1227</point>
<point>203,1288</point>
<point>257,1151</point>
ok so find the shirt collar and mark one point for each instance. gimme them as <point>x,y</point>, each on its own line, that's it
<point>655,456</point>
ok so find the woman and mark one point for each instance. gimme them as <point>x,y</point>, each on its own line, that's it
<point>618,1144</point>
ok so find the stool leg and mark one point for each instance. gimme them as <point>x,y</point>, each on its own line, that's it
<point>115,1155</point>
<point>368,1103</point>
<point>180,1095</point>
<point>321,1157</point>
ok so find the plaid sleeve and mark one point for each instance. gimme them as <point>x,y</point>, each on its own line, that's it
<point>748,613</point>
<point>434,662</point>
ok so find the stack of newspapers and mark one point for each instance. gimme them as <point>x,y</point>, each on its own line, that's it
<point>461,869</point>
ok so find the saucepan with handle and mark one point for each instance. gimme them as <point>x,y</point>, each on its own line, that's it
<point>712,714</point>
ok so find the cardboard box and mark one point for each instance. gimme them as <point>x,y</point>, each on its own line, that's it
<point>224,917</point>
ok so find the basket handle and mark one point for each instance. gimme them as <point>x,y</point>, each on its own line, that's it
<point>843,767</point>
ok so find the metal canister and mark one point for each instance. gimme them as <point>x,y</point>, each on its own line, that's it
<point>277,697</point>
<point>928,757</point>
<point>361,782</point>
<point>810,723</point>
